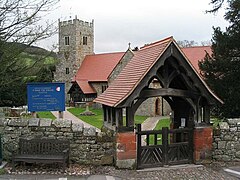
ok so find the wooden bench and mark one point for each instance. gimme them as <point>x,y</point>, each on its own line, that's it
<point>45,151</point>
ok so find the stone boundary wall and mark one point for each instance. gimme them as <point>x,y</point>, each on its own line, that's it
<point>226,141</point>
<point>86,145</point>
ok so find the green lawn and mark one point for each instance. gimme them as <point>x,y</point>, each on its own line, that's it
<point>97,120</point>
<point>161,123</point>
<point>137,119</point>
<point>46,114</point>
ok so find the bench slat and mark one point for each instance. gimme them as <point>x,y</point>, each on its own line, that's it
<point>43,151</point>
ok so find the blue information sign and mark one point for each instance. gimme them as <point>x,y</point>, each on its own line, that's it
<point>46,97</point>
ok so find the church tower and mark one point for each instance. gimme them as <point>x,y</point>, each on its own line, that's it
<point>76,40</point>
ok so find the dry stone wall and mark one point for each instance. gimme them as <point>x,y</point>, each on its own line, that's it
<point>86,145</point>
<point>226,145</point>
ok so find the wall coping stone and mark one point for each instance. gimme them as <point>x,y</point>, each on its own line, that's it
<point>89,131</point>
<point>33,122</point>
<point>18,122</point>
<point>223,126</point>
<point>202,127</point>
<point>45,122</point>
<point>3,121</point>
<point>62,123</point>
<point>77,127</point>
<point>233,121</point>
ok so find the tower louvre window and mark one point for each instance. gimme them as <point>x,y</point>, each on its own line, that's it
<point>66,40</point>
<point>67,70</point>
<point>84,40</point>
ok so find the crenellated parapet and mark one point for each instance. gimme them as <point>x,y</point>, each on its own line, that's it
<point>76,22</point>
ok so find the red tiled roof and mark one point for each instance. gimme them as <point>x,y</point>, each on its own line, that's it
<point>140,64</point>
<point>196,53</point>
<point>97,67</point>
<point>85,87</point>
<point>132,74</point>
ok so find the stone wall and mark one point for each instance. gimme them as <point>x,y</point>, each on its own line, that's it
<point>86,145</point>
<point>226,145</point>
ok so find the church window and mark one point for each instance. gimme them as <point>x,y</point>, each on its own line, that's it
<point>84,40</point>
<point>66,40</point>
<point>67,70</point>
<point>104,87</point>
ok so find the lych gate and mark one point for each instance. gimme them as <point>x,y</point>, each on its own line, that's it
<point>184,90</point>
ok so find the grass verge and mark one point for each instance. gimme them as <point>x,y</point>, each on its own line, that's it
<point>97,120</point>
<point>46,114</point>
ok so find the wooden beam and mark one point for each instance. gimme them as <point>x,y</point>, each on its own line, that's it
<point>171,77</point>
<point>119,117</point>
<point>129,117</point>
<point>147,93</point>
<point>137,104</point>
<point>170,102</point>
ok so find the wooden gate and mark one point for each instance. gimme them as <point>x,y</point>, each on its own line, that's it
<point>164,147</point>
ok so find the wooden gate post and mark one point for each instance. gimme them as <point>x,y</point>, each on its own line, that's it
<point>139,128</point>
<point>165,144</point>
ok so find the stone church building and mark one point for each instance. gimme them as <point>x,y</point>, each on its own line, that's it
<point>87,75</point>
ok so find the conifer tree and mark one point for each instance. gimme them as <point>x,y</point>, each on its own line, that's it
<point>221,70</point>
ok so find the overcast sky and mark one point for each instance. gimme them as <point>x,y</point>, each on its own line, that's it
<point>139,22</point>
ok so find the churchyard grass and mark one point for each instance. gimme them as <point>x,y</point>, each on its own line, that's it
<point>46,114</point>
<point>161,123</point>
<point>97,119</point>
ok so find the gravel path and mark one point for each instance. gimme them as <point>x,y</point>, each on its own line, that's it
<point>189,173</point>
<point>78,171</point>
<point>69,116</point>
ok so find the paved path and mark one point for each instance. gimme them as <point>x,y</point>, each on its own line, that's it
<point>69,116</point>
<point>149,124</point>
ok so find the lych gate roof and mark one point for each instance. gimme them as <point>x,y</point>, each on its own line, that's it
<point>134,71</point>
<point>137,68</point>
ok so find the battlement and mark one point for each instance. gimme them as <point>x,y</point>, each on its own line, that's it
<point>76,22</point>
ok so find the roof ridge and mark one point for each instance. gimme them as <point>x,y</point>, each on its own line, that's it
<point>104,53</point>
<point>156,43</point>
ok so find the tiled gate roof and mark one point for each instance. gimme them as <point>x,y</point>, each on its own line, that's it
<point>132,74</point>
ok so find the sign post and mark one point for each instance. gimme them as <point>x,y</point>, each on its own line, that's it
<point>46,97</point>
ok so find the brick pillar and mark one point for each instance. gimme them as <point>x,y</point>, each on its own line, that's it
<point>126,150</point>
<point>203,139</point>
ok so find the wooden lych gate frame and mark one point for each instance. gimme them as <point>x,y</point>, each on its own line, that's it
<point>181,86</point>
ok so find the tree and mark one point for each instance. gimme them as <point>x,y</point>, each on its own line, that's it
<point>21,25</point>
<point>222,69</point>
<point>187,43</point>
